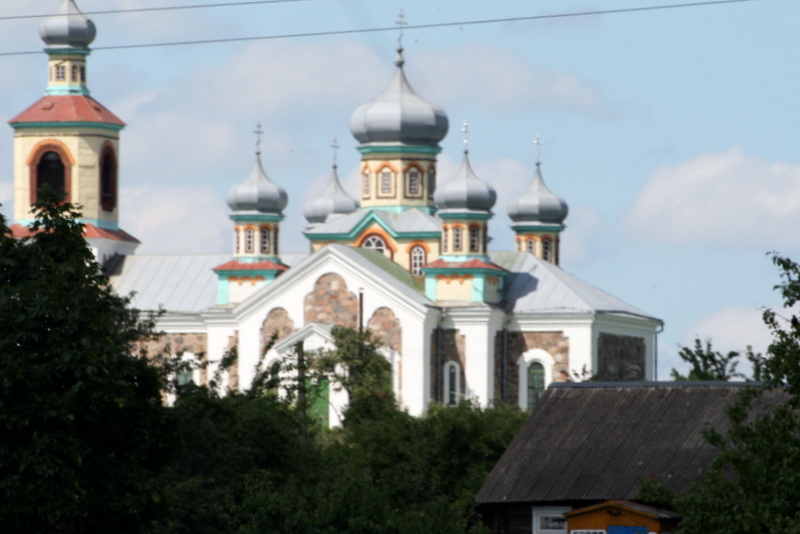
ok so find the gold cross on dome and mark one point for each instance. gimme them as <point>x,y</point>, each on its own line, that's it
<point>465,129</point>
<point>538,143</point>
<point>258,133</point>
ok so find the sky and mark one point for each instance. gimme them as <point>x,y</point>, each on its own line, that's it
<point>672,134</point>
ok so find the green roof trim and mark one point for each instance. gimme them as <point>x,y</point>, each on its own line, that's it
<point>399,149</point>
<point>69,124</point>
<point>259,217</point>
<point>470,216</point>
<point>364,223</point>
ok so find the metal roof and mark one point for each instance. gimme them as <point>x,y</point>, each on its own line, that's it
<point>596,443</point>
<point>409,221</point>
<point>536,286</point>
<point>176,283</point>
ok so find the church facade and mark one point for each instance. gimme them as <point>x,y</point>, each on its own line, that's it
<point>408,259</point>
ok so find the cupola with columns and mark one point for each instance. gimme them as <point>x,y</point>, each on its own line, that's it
<point>69,141</point>
<point>399,134</point>
<point>464,272</point>
<point>257,206</point>
<point>538,217</point>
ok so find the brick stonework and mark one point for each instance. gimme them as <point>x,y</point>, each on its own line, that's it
<point>454,349</point>
<point>178,343</point>
<point>554,343</point>
<point>233,373</point>
<point>620,357</point>
<point>331,302</point>
<point>386,327</point>
<point>277,320</point>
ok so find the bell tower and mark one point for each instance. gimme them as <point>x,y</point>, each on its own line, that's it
<point>69,141</point>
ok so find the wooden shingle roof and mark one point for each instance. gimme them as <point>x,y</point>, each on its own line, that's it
<point>596,441</point>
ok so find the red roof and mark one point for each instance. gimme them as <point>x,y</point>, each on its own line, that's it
<point>89,231</point>
<point>263,265</point>
<point>471,264</point>
<point>67,108</point>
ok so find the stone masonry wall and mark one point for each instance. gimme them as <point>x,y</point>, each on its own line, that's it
<point>620,358</point>
<point>176,344</point>
<point>386,327</point>
<point>331,302</point>
<point>277,320</point>
<point>454,349</point>
<point>554,343</point>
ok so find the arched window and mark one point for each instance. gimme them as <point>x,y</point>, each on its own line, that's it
<point>535,383</point>
<point>375,243</point>
<point>457,238</point>
<point>431,182</point>
<point>557,247</point>
<point>74,70</point>
<point>237,241</point>
<point>275,240</point>
<point>417,259</point>
<point>485,240</point>
<point>474,239</point>
<point>61,72</point>
<point>413,183</point>
<point>265,240</point>
<point>452,383</point>
<point>386,182</point>
<point>108,179</point>
<point>83,74</point>
<point>445,237</point>
<point>546,249</point>
<point>365,185</point>
<point>50,171</point>
<point>249,238</point>
<point>531,245</point>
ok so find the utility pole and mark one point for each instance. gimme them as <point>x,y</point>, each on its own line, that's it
<point>301,391</point>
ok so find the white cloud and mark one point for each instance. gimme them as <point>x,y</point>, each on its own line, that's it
<point>731,328</point>
<point>176,220</point>
<point>583,241</point>
<point>477,73</point>
<point>726,200</point>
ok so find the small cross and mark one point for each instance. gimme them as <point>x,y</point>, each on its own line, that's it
<point>465,129</point>
<point>538,143</point>
<point>401,22</point>
<point>335,147</point>
<point>258,133</point>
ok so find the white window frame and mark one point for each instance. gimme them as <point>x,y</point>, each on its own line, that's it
<point>249,240</point>
<point>375,242</point>
<point>458,239</point>
<point>538,513</point>
<point>474,239</point>
<point>264,237</point>
<point>414,188</point>
<point>527,358</point>
<point>417,259</point>
<point>385,188</point>
<point>365,185</point>
<point>448,392</point>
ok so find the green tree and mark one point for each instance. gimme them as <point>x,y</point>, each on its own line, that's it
<point>707,364</point>
<point>84,430</point>
<point>754,484</point>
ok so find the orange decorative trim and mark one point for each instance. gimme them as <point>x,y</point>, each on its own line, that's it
<point>390,244</point>
<point>493,280</point>
<point>242,279</point>
<point>49,144</point>
<point>385,164</point>
<point>414,164</point>
<point>422,244</point>
<point>42,148</point>
<point>447,278</point>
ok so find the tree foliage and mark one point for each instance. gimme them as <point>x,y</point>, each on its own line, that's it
<point>84,430</point>
<point>754,484</point>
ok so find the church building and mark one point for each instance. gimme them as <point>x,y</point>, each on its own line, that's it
<point>409,258</point>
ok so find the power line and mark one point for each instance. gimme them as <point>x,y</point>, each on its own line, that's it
<point>149,9</point>
<point>408,27</point>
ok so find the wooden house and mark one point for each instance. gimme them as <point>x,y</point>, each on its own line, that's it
<point>592,442</point>
<point>621,517</point>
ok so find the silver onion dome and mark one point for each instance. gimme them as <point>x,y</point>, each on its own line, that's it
<point>257,193</point>
<point>68,28</point>
<point>538,204</point>
<point>399,115</point>
<point>334,200</point>
<point>466,192</point>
